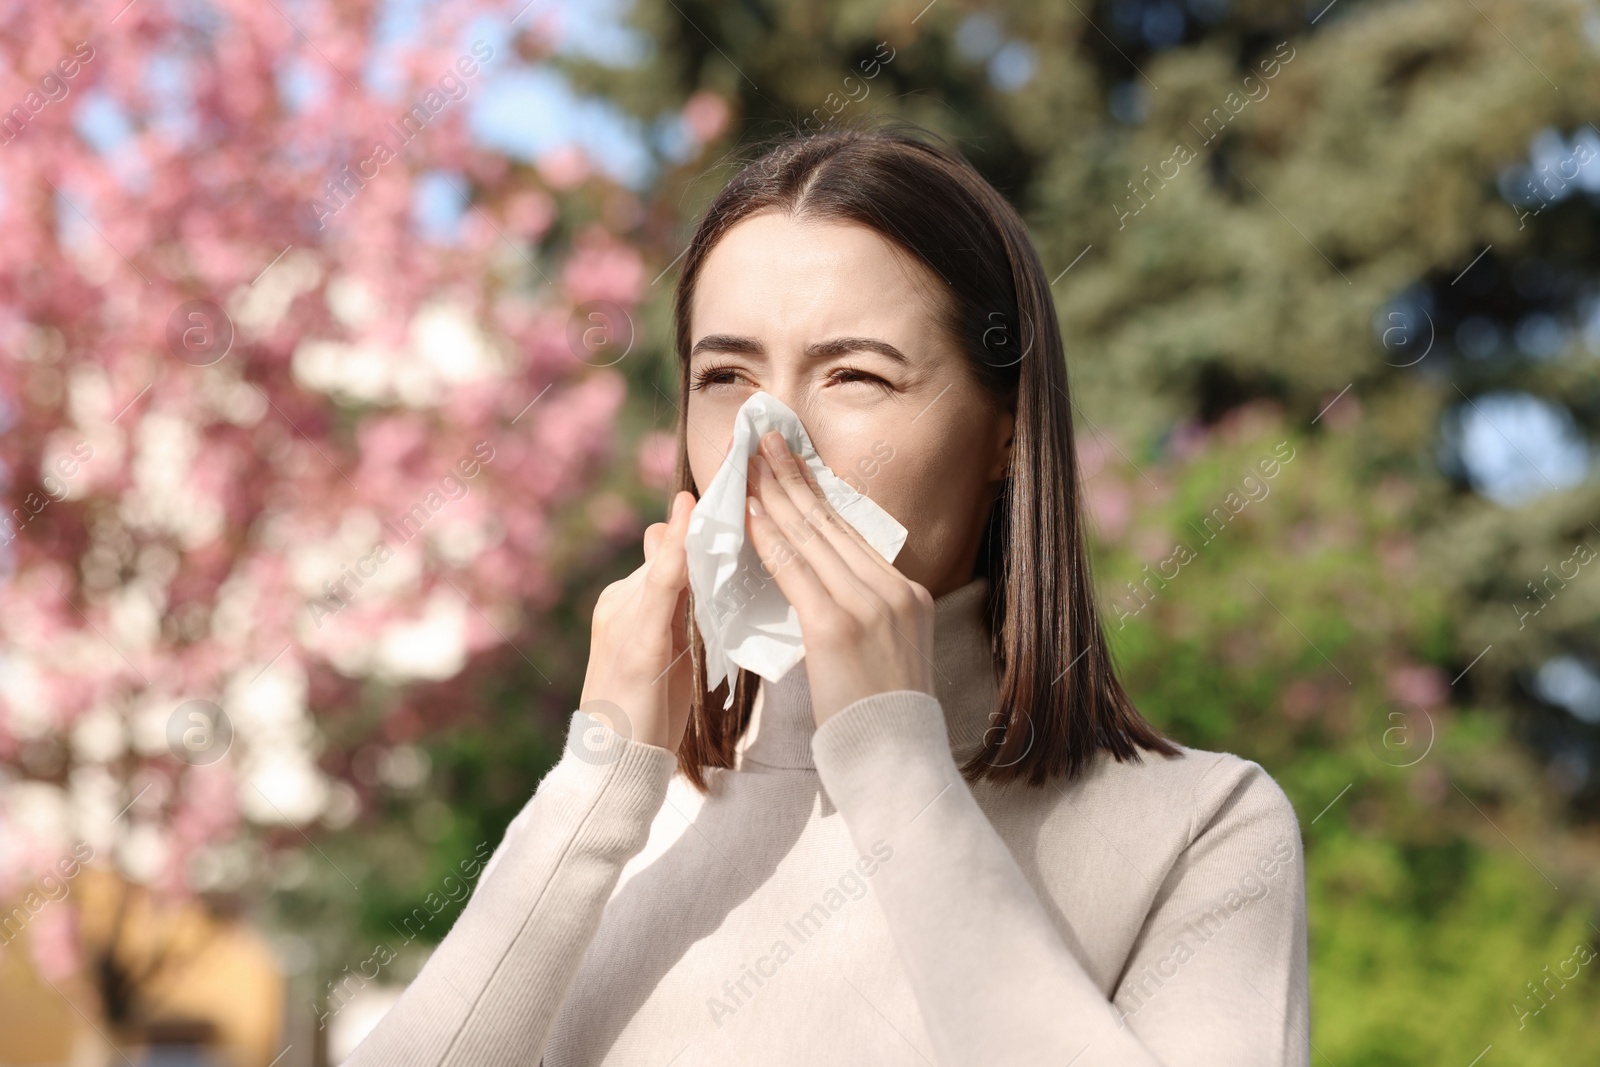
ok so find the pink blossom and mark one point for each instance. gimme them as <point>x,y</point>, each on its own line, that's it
<point>705,116</point>
<point>565,167</point>
<point>53,941</point>
<point>614,517</point>
<point>1110,506</point>
<point>172,567</point>
<point>529,213</point>
<point>1187,441</point>
<point>1418,684</point>
<point>658,459</point>
<point>604,269</point>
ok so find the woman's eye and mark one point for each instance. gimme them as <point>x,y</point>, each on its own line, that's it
<point>714,376</point>
<point>849,375</point>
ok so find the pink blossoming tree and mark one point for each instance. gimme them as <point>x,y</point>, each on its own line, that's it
<point>267,446</point>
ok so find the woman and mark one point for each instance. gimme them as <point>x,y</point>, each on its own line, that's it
<point>947,837</point>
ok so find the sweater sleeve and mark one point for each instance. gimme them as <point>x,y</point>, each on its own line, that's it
<point>995,981</point>
<point>490,992</point>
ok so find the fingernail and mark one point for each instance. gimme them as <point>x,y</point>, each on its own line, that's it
<point>753,506</point>
<point>774,445</point>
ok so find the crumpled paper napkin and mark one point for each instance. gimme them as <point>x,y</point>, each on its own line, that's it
<point>744,619</point>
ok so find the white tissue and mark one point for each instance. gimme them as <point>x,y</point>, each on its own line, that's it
<point>743,617</point>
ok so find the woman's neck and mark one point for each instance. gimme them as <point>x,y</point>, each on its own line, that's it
<point>964,681</point>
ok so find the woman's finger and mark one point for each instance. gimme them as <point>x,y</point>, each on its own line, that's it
<point>795,475</point>
<point>671,567</point>
<point>847,587</point>
<point>781,561</point>
<point>893,589</point>
<point>864,561</point>
<point>849,531</point>
<point>652,539</point>
<point>668,571</point>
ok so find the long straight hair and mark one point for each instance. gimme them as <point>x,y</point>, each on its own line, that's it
<point>1059,698</point>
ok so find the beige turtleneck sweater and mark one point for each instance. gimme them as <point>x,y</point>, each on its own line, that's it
<point>843,896</point>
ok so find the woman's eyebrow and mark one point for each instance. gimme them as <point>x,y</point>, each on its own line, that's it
<point>838,346</point>
<point>841,345</point>
<point>725,342</point>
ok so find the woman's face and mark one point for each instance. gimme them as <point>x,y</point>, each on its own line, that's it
<point>840,325</point>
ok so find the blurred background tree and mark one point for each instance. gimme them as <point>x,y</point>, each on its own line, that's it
<point>303,444</point>
<point>1350,243</point>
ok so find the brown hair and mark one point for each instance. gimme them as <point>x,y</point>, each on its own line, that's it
<point>1059,697</point>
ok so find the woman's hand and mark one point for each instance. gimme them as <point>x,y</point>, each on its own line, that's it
<point>868,629</point>
<point>639,676</point>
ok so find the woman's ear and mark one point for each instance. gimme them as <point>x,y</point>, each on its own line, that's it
<point>1005,425</point>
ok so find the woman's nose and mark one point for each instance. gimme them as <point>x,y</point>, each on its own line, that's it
<point>794,394</point>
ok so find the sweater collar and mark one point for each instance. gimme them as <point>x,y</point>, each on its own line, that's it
<point>782,725</point>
